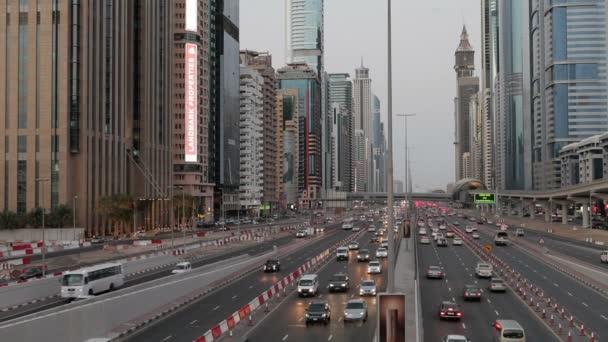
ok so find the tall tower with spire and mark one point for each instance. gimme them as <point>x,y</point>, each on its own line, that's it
<point>362,126</point>
<point>467,86</point>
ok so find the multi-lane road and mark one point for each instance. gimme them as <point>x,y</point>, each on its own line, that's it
<point>196,319</point>
<point>586,304</point>
<point>287,322</point>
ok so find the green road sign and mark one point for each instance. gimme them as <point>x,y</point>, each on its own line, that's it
<point>485,198</point>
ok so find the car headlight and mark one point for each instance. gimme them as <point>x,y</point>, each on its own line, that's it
<point>343,285</point>
<point>331,285</point>
<point>323,315</point>
<point>307,315</point>
<point>360,292</point>
<point>299,290</point>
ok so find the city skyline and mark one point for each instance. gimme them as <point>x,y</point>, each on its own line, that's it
<point>425,91</point>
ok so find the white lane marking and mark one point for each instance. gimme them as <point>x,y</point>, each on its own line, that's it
<point>453,299</point>
<point>301,319</point>
<point>604,317</point>
<point>196,320</point>
<point>167,338</point>
<point>330,337</point>
<point>585,304</point>
<point>233,297</point>
<point>251,286</point>
<point>555,284</point>
<point>464,326</point>
<point>497,314</point>
<point>489,301</point>
<point>340,319</point>
<point>569,294</point>
<point>285,337</point>
<point>215,308</point>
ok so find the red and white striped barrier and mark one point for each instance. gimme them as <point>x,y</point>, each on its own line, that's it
<point>245,312</point>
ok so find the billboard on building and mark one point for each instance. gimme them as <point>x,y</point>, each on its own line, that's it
<point>191,104</point>
<point>191,15</point>
<point>485,198</point>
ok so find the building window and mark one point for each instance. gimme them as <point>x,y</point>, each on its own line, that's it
<point>23,65</point>
<point>75,79</point>
<point>21,186</point>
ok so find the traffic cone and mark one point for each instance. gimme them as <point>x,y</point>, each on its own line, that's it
<point>250,321</point>
<point>544,314</point>
<point>592,338</point>
<point>266,308</point>
<point>555,309</point>
<point>582,331</point>
<point>537,307</point>
<point>559,329</point>
<point>278,296</point>
<point>569,335</point>
<point>571,321</point>
<point>551,321</point>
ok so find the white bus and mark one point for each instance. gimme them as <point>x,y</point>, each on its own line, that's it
<point>92,280</point>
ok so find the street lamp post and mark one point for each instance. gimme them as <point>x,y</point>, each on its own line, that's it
<point>389,160</point>
<point>40,180</point>
<point>74,216</point>
<point>406,171</point>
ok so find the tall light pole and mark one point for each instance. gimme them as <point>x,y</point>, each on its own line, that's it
<point>41,180</point>
<point>74,216</point>
<point>389,160</point>
<point>406,170</point>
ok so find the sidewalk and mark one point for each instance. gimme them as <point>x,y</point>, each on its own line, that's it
<point>568,231</point>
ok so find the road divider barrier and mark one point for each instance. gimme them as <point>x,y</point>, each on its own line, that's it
<point>529,293</point>
<point>225,327</point>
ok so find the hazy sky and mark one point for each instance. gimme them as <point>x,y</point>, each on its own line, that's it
<point>425,36</point>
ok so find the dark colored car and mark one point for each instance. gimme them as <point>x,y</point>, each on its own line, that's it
<point>272,265</point>
<point>480,221</point>
<point>442,242</point>
<point>450,310</point>
<point>434,272</point>
<point>471,292</point>
<point>31,273</point>
<point>373,239</point>
<point>339,282</point>
<point>318,311</point>
<point>363,255</point>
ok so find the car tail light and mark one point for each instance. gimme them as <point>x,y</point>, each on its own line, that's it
<point>442,313</point>
<point>450,309</point>
<point>479,293</point>
<point>466,294</point>
<point>459,314</point>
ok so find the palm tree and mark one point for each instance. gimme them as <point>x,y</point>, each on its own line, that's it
<point>9,220</point>
<point>61,216</point>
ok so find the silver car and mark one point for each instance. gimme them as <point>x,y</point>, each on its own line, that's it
<point>497,285</point>
<point>356,310</point>
<point>367,288</point>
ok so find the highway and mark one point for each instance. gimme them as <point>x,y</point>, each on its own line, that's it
<point>584,303</point>
<point>255,249</point>
<point>585,252</point>
<point>192,321</point>
<point>458,263</point>
<point>286,323</point>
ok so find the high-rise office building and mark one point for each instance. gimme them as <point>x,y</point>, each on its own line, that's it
<point>304,33</point>
<point>379,150</point>
<point>191,105</point>
<point>467,86</point>
<point>359,154</point>
<point>262,62</point>
<point>569,55</point>
<point>86,118</point>
<point>512,113</point>
<point>251,139</point>
<point>340,147</point>
<point>362,120</point>
<point>489,69</point>
<point>304,79</point>
<point>340,92</point>
<point>224,98</point>
<point>288,112</point>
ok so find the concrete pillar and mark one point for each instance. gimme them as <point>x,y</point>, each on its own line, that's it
<point>521,205</point>
<point>532,209</point>
<point>548,211</point>
<point>585,212</point>
<point>564,213</point>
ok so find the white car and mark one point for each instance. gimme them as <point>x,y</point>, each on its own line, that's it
<point>483,270</point>
<point>356,228</point>
<point>374,267</point>
<point>604,256</point>
<point>381,252</point>
<point>422,231</point>
<point>182,267</point>
<point>457,241</point>
<point>301,234</point>
<point>371,228</point>
<point>475,235</point>
<point>425,240</point>
<point>470,229</point>
<point>442,227</point>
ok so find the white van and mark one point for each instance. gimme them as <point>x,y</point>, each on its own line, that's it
<point>182,267</point>
<point>342,253</point>
<point>604,256</point>
<point>508,330</point>
<point>308,285</point>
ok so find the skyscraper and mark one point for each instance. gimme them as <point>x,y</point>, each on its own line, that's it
<point>467,86</point>
<point>191,105</point>
<point>362,115</point>
<point>513,136</point>
<point>86,127</point>
<point>489,81</point>
<point>224,103</point>
<point>251,139</point>
<point>262,62</point>
<point>341,94</point>
<point>569,56</point>
<point>304,33</point>
<point>287,108</point>
<point>304,79</point>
